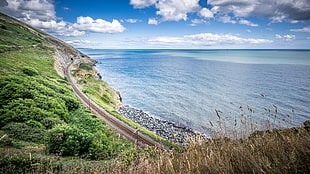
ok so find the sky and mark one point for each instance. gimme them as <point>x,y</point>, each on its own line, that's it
<point>169,24</point>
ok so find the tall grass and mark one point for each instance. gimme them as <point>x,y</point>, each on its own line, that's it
<point>276,151</point>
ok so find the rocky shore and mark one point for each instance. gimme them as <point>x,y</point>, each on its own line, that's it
<point>165,129</point>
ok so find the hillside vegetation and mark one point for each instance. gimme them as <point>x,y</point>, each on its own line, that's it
<point>45,129</point>
<point>38,110</point>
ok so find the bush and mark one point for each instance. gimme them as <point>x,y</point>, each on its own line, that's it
<point>68,140</point>
<point>102,147</point>
<point>30,71</point>
<point>86,66</point>
<point>14,162</point>
<point>24,98</point>
<point>34,124</point>
<point>88,122</point>
<point>28,162</point>
<point>51,122</point>
<point>71,103</point>
<point>22,131</point>
<point>22,110</point>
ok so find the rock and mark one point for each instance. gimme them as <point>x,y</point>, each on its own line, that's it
<point>163,128</point>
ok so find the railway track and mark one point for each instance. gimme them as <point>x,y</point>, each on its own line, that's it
<point>125,130</point>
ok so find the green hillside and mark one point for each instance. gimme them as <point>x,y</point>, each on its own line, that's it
<point>45,129</point>
<point>40,116</point>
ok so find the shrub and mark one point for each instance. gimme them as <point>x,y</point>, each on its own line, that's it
<point>14,162</point>
<point>87,122</point>
<point>51,122</point>
<point>71,103</point>
<point>24,132</point>
<point>68,140</point>
<point>34,124</point>
<point>86,66</point>
<point>30,71</point>
<point>102,147</point>
<point>106,99</point>
<point>22,110</point>
<point>28,162</point>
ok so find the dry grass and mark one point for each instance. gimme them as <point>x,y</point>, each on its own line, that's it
<point>276,151</point>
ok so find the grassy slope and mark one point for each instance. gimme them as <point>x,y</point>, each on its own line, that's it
<point>33,96</point>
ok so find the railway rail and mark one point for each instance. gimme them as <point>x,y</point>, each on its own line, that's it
<point>125,130</point>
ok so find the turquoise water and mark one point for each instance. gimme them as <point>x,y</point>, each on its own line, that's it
<point>187,86</point>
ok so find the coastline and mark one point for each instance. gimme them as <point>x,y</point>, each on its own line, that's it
<point>165,129</point>
<point>168,130</point>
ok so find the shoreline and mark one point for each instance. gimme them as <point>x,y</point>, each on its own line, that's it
<point>166,129</point>
<point>178,134</point>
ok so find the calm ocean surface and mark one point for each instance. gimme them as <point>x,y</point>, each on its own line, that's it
<point>187,86</point>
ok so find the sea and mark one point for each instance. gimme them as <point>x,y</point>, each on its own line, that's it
<point>212,91</point>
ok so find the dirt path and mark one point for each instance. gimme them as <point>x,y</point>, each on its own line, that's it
<point>128,132</point>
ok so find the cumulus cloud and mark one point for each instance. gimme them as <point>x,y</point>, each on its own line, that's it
<point>246,22</point>
<point>226,19</point>
<point>175,10</point>
<point>229,19</point>
<point>287,37</point>
<point>305,29</point>
<point>142,3</point>
<point>206,39</point>
<point>206,13</point>
<point>98,25</point>
<point>196,22</point>
<point>276,10</point>
<point>171,10</point>
<point>27,10</point>
<point>41,14</point>
<point>153,21</point>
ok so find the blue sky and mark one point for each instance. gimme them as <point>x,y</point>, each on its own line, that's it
<point>185,24</point>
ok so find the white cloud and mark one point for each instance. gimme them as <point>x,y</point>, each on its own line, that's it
<point>80,42</point>
<point>206,13</point>
<point>276,10</point>
<point>142,3</point>
<point>227,19</point>
<point>133,20</point>
<point>305,29</point>
<point>98,25</point>
<point>292,11</point>
<point>71,32</point>
<point>65,8</point>
<point>170,10</point>
<point>26,10</point>
<point>206,39</point>
<point>246,22</point>
<point>61,28</point>
<point>287,37</point>
<point>153,21</point>
<point>42,14</point>
<point>175,10</point>
<point>196,22</point>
